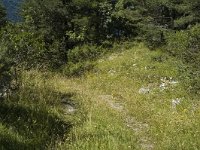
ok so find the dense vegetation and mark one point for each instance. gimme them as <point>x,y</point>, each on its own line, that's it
<point>68,37</point>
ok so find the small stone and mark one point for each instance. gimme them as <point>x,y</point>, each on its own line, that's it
<point>175,102</point>
<point>163,86</point>
<point>134,65</point>
<point>173,82</point>
<point>144,91</point>
<point>70,108</point>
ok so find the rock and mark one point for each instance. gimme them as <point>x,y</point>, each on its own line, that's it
<point>175,102</point>
<point>144,90</point>
<point>3,93</point>
<point>173,82</point>
<point>163,86</point>
<point>69,108</point>
<point>134,65</point>
<point>167,82</point>
<point>112,57</point>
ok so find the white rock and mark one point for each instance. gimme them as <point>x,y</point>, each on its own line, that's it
<point>163,86</point>
<point>144,90</point>
<point>70,108</point>
<point>173,82</point>
<point>176,102</point>
<point>134,65</point>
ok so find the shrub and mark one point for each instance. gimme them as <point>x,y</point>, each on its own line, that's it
<point>29,48</point>
<point>186,46</point>
<point>85,52</point>
<point>7,75</point>
<point>81,59</point>
<point>177,42</point>
<point>154,36</point>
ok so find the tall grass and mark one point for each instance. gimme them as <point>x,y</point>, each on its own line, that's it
<point>32,118</point>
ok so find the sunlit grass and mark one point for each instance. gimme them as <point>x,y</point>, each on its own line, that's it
<point>111,113</point>
<point>121,75</point>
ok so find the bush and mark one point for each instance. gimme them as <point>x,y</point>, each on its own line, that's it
<point>177,42</point>
<point>29,49</point>
<point>154,36</point>
<point>7,75</point>
<point>186,46</point>
<point>85,52</point>
<point>81,59</point>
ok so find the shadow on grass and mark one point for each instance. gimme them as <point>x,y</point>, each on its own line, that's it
<point>37,127</point>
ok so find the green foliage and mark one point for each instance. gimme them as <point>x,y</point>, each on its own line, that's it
<point>6,64</point>
<point>22,46</point>
<point>186,46</point>
<point>85,52</point>
<point>83,21</point>
<point>154,36</point>
<point>80,59</point>
<point>70,36</point>
<point>177,42</point>
<point>28,49</point>
<point>7,75</point>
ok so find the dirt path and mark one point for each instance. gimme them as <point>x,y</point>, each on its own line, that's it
<point>139,128</point>
<point>83,89</point>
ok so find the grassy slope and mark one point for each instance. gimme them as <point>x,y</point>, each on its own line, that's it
<point>111,113</point>
<point>118,117</point>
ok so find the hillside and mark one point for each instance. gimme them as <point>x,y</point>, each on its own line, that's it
<point>133,99</point>
<point>99,75</point>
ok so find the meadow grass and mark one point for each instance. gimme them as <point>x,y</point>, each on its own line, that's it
<point>134,120</point>
<point>110,112</point>
<point>33,118</point>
